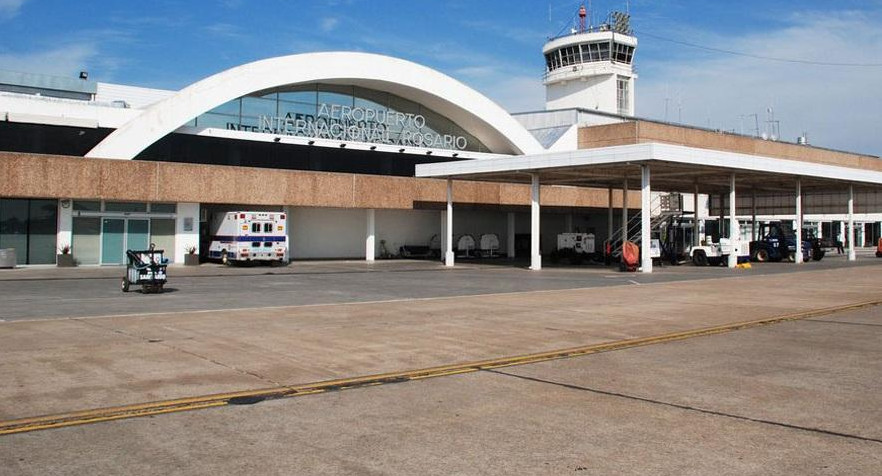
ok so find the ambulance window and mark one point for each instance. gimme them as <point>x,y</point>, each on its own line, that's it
<point>255,244</point>
<point>255,228</point>
<point>267,244</point>
<point>268,227</point>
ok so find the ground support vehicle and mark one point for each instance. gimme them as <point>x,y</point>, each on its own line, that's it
<point>574,247</point>
<point>145,268</point>
<point>778,243</point>
<point>248,237</point>
<point>716,254</point>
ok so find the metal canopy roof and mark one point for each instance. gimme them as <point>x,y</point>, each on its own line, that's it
<point>673,168</point>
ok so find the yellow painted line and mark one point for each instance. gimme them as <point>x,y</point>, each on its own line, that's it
<point>252,396</point>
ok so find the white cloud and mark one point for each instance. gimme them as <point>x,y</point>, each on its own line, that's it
<point>837,106</point>
<point>329,24</point>
<point>63,61</point>
<point>10,8</point>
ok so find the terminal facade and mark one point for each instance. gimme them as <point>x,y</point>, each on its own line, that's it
<point>334,140</point>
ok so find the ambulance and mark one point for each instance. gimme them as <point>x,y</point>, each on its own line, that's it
<point>248,237</point>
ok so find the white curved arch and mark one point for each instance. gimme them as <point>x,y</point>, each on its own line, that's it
<point>472,111</point>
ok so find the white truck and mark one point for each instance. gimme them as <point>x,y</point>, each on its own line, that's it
<point>248,236</point>
<point>712,253</point>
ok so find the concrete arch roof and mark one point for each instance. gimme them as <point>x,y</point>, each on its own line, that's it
<point>472,111</point>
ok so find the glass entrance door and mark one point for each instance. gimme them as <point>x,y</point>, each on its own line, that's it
<point>137,234</point>
<point>112,240</point>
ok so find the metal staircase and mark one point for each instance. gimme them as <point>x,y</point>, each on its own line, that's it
<point>662,207</point>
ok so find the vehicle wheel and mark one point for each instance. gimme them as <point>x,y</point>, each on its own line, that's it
<point>818,255</point>
<point>125,285</point>
<point>225,259</point>
<point>879,254</point>
<point>791,257</point>
<point>761,256</point>
<point>699,258</point>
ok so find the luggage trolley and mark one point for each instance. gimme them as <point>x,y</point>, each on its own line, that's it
<point>145,268</point>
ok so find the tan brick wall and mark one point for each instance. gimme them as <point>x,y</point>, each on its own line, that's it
<point>642,132</point>
<point>49,176</point>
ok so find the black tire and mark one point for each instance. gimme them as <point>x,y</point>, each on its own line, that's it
<point>818,255</point>
<point>125,285</point>
<point>225,258</point>
<point>699,258</point>
<point>791,257</point>
<point>761,256</point>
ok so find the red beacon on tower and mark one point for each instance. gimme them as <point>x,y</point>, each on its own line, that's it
<point>583,12</point>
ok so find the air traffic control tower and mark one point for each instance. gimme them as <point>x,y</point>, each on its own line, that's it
<point>591,67</point>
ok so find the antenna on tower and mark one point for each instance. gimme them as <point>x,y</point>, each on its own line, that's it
<point>582,14</point>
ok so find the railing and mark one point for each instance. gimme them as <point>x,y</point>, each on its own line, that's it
<point>668,205</point>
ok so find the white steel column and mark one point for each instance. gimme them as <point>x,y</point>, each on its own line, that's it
<point>851,253</point>
<point>625,211</point>
<point>64,236</point>
<point>798,227</point>
<point>448,253</point>
<point>695,238</point>
<point>734,230</point>
<point>370,249</point>
<point>511,236</point>
<point>645,217</point>
<point>753,218</point>
<point>609,218</point>
<point>535,256</point>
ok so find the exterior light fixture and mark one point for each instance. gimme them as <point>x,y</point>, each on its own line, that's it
<point>400,150</point>
<point>311,142</point>
<point>84,75</point>
<point>342,146</point>
<point>373,147</point>
<point>456,154</point>
<point>428,152</point>
<point>277,139</point>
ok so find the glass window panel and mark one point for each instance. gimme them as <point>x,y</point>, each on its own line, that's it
<point>369,98</point>
<point>333,94</point>
<point>42,231</point>
<point>125,207</point>
<point>162,234</point>
<point>14,227</point>
<point>306,96</point>
<point>254,107</point>
<point>230,108</point>
<point>86,239</point>
<point>87,206</point>
<point>295,108</point>
<point>163,207</point>
<point>220,121</point>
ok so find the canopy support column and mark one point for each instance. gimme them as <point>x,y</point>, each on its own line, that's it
<point>535,253</point>
<point>370,236</point>
<point>510,252</point>
<point>448,232</point>
<point>851,253</point>
<point>645,218</point>
<point>734,230</point>
<point>798,221</point>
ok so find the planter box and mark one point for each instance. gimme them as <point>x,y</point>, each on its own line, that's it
<point>191,260</point>
<point>65,261</point>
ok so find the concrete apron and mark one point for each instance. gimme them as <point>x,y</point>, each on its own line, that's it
<point>76,364</point>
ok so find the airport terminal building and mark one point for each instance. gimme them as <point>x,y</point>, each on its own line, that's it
<point>340,143</point>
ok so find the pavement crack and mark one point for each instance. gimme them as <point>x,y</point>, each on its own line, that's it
<point>175,348</point>
<point>688,407</point>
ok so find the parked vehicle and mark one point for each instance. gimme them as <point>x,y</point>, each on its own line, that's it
<point>248,236</point>
<point>709,253</point>
<point>778,243</point>
<point>575,247</point>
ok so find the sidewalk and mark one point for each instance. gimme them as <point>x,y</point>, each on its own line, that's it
<point>72,364</point>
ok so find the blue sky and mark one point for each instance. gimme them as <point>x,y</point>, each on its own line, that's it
<point>495,47</point>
